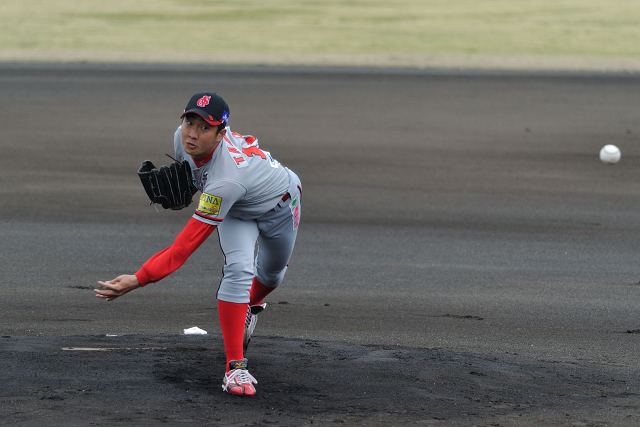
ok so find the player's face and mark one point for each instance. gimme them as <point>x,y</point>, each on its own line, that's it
<point>199,138</point>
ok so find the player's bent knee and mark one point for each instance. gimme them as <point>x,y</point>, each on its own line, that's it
<point>271,279</point>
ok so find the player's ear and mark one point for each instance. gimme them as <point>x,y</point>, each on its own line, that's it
<point>221,134</point>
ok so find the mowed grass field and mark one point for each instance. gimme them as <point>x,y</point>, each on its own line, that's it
<point>319,28</point>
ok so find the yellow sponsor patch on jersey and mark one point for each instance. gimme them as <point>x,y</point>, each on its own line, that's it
<point>209,205</point>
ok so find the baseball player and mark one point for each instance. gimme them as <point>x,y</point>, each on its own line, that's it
<point>249,197</point>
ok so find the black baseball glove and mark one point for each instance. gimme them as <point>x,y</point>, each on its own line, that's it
<point>170,186</point>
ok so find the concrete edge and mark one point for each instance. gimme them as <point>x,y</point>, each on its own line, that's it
<point>368,63</point>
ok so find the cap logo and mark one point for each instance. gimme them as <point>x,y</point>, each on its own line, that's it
<point>204,101</point>
<point>225,117</point>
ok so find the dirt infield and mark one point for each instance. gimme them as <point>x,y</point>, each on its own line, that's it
<point>152,380</point>
<point>464,258</point>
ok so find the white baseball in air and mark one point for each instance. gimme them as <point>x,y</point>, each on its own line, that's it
<point>610,154</point>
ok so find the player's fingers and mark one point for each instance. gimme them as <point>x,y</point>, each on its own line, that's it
<point>107,295</point>
<point>110,285</point>
<point>108,290</point>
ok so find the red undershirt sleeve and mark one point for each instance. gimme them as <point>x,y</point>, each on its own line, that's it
<point>170,259</point>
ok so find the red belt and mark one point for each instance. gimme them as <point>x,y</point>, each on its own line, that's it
<point>286,197</point>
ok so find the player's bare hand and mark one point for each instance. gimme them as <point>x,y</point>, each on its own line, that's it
<point>119,286</point>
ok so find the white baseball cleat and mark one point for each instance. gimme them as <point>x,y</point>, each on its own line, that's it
<point>250,323</point>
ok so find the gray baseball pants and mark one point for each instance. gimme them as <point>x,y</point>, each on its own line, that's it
<point>275,234</point>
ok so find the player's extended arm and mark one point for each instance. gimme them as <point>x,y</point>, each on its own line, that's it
<point>169,260</point>
<point>161,264</point>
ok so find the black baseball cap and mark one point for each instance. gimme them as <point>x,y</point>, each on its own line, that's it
<point>210,106</point>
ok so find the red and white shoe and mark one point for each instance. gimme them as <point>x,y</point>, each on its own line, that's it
<point>238,380</point>
<point>250,323</point>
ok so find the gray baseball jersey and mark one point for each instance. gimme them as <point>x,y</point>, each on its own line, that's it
<point>240,180</point>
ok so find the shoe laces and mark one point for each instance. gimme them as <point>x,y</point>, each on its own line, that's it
<point>247,320</point>
<point>240,376</point>
<point>252,319</point>
<point>250,323</point>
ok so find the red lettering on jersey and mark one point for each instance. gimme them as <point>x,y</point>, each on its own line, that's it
<point>238,160</point>
<point>233,149</point>
<point>253,151</point>
<point>250,139</point>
